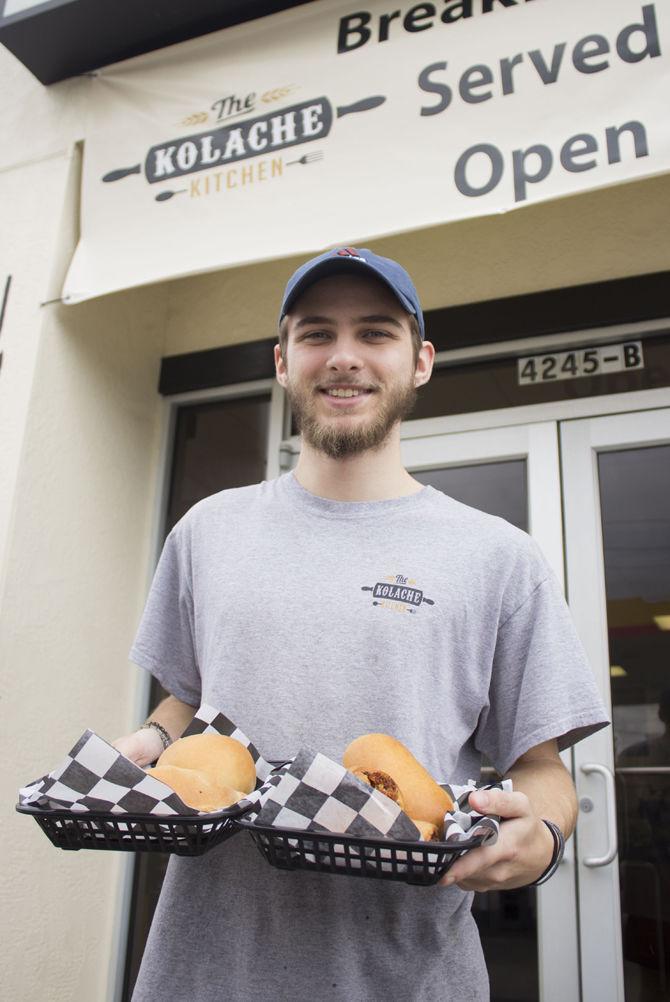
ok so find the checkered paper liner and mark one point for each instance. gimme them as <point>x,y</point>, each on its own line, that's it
<point>315,794</point>
<point>95,777</point>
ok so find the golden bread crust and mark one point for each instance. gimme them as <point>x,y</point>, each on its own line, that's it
<point>226,761</point>
<point>422,796</point>
<point>196,789</point>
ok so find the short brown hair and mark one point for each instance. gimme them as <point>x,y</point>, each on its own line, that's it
<point>413,326</point>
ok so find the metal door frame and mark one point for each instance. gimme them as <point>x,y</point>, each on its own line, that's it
<point>598,879</point>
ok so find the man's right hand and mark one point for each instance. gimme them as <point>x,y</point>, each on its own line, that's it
<point>145,745</point>
<point>142,747</point>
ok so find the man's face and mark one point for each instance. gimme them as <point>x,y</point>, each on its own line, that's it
<point>348,367</point>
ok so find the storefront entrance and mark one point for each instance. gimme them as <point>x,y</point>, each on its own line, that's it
<point>594,491</point>
<point>595,494</point>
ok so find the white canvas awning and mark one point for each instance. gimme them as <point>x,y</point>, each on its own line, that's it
<point>317,126</point>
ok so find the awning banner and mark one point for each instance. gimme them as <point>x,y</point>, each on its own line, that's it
<point>337,123</point>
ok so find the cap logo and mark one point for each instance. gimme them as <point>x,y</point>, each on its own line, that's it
<point>350,252</point>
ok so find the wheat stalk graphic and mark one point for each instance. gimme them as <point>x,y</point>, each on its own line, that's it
<point>277,94</point>
<point>196,119</point>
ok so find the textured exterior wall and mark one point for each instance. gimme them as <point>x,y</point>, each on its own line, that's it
<point>76,567</point>
<point>81,421</point>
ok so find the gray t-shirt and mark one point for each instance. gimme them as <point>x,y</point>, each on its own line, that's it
<point>311,621</point>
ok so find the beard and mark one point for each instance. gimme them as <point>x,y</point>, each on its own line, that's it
<point>338,443</point>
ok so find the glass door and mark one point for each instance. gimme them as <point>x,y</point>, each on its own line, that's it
<point>617,522</point>
<point>529,935</point>
<point>217,444</point>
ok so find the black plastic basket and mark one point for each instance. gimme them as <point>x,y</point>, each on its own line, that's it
<point>184,835</point>
<point>385,859</point>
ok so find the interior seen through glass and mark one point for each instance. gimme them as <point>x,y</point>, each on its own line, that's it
<point>507,920</point>
<point>635,506</point>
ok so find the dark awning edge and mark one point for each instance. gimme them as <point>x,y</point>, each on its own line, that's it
<point>65,38</point>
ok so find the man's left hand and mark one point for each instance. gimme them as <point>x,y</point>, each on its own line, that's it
<point>521,854</point>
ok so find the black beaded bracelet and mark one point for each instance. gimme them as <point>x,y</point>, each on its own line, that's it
<point>162,733</point>
<point>556,856</point>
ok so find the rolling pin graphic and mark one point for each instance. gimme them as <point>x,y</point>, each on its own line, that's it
<point>302,123</point>
<point>397,593</point>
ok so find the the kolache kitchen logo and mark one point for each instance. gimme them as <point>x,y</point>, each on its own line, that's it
<point>233,141</point>
<point>398,593</point>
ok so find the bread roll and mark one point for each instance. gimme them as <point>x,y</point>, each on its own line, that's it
<point>422,796</point>
<point>197,789</point>
<point>224,760</point>
<point>429,833</point>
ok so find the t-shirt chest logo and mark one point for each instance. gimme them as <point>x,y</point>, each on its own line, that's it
<point>398,593</point>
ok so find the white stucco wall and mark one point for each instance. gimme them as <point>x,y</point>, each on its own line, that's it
<point>30,194</point>
<point>39,195</point>
<point>81,423</point>
<point>76,564</point>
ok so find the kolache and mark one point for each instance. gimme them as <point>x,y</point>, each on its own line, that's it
<point>207,771</point>
<point>388,766</point>
<point>211,771</point>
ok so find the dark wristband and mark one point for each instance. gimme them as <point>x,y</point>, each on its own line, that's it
<point>557,855</point>
<point>162,733</point>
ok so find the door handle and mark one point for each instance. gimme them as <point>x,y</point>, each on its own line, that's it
<point>610,795</point>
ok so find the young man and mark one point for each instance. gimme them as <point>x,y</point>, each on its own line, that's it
<point>261,606</point>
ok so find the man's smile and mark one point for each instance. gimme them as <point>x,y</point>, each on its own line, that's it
<point>343,395</point>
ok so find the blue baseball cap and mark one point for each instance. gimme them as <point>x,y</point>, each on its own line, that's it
<point>351,261</point>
